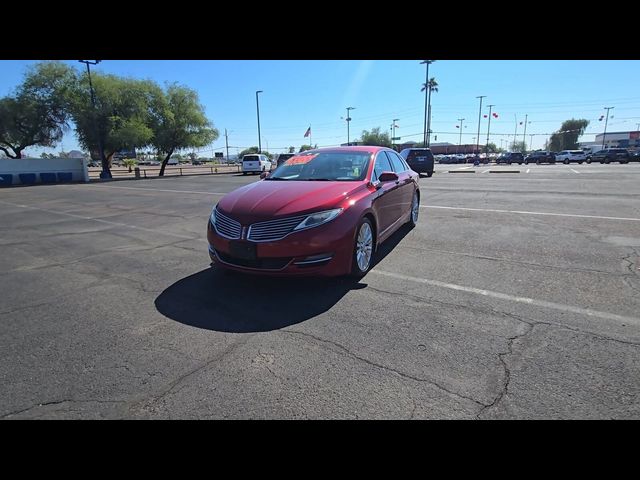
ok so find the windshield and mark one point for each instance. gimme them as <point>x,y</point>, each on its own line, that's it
<point>324,166</point>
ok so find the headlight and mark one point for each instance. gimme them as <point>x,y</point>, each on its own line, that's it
<point>319,218</point>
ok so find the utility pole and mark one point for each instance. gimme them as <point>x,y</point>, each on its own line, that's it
<point>488,128</point>
<point>460,141</point>
<point>258,110</point>
<point>605,125</point>
<point>226,142</point>
<point>348,120</point>
<point>479,117</point>
<point>531,140</point>
<point>515,135</point>
<point>393,129</point>
<point>524,136</point>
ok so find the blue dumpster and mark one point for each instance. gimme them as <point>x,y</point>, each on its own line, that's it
<point>48,177</point>
<point>27,178</point>
<point>65,176</point>
<point>5,179</point>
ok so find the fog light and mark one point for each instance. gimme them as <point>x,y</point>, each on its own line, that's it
<point>315,259</point>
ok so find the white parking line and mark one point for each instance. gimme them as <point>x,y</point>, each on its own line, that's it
<point>532,213</point>
<point>528,170</point>
<point>574,171</point>
<point>159,190</point>
<point>503,296</point>
<point>485,171</point>
<point>464,168</point>
<point>118,224</point>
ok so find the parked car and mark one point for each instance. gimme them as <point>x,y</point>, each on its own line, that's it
<point>510,157</point>
<point>280,159</point>
<point>540,157</point>
<point>567,156</point>
<point>323,212</point>
<point>635,156</point>
<point>255,163</point>
<point>419,159</point>
<point>609,155</point>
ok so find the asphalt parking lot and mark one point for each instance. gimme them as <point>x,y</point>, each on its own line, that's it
<point>516,296</point>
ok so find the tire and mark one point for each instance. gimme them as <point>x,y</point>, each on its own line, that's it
<point>588,160</point>
<point>580,162</point>
<point>429,174</point>
<point>526,162</point>
<point>607,161</point>
<point>566,161</point>
<point>537,162</point>
<point>415,209</point>
<point>363,245</point>
<point>244,173</point>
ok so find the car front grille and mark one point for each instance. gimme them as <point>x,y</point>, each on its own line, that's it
<point>273,229</point>
<point>227,227</point>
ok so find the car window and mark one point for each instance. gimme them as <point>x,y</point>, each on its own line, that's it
<point>382,165</point>
<point>324,166</point>
<point>396,163</point>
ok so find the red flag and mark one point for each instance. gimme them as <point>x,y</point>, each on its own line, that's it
<point>495,115</point>
<point>308,132</point>
<point>484,116</point>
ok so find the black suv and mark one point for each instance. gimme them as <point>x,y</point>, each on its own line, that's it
<point>540,157</point>
<point>419,159</point>
<point>609,155</point>
<point>510,157</point>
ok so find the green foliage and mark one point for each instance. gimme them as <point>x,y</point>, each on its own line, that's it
<point>304,148</point>
<point>375,138</point>
<point>292,149</point>
<point>129,162</point>
<point>567,137</point>
<point>178,121</point>
<point>247,151</point>
<point>491,148</point>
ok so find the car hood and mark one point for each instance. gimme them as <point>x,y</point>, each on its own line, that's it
<point>267,199</point>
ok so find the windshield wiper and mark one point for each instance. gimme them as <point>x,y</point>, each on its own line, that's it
<point>319,179</point>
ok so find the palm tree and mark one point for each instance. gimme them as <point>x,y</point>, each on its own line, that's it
<point>433,87</point>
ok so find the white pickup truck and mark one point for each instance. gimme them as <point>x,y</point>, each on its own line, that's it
<point>255,163</point>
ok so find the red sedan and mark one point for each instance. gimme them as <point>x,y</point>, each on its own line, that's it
<point>322,212</point>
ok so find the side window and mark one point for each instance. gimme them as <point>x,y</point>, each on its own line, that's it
<point>382,165</point>
<point>398,166</point>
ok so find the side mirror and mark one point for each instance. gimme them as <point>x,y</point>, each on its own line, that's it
<point>264,175</point>
<point>388,177</point>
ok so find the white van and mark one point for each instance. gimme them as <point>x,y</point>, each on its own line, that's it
<point>255,163</point>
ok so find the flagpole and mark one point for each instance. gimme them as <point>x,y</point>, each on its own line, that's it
<point>310,138</point>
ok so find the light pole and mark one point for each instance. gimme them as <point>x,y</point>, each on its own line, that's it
<point>348,120</point>
<point>488,127</point>
<point>531,140</point>
<point>605,125</point>
<point>460,141</point>
<point>479,117</point>
<point>106,173</point>
<point>426,93</point>
<point>226,142</point>
<point>258,110</point>
<point>515,135</point>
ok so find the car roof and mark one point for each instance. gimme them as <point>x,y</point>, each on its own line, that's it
<point>355,148</point>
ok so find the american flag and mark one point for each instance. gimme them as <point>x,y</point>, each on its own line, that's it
<point>308,132</point>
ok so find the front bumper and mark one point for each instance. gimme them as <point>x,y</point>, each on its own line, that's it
<point>322,251</point>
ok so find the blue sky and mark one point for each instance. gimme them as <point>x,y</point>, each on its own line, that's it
<point>297,94</point>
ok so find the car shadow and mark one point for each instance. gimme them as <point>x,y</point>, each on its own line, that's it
<point>215,299</point>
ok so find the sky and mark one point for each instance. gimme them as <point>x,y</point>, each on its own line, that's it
<point>315,93</point>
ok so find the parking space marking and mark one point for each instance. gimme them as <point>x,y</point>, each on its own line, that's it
<point>574,171</point>
<point>161,190</point>
<point>512,298</point>
<point>520,212</point>
<point>528,170</point>
<point>485,171</point>
<point>118,224</point>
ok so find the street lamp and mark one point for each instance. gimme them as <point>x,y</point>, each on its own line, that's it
<point>258,110</point>
<point>605,125</point>
<point>348,120</point>
<point>106,173</point>
<point>488,128</point>
<point>426,93</point>
<point>393,128</point>
<point>460,141</point>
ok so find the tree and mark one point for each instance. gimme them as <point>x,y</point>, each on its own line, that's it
<point>247,151</point>
<point>120,119</point>
<point>491,148</point>
<point>567,137</point>
<point>432,85</point>
<point>375,138</point>
<point>292,149</point>
<point>178,122</point>
<point>129,162</point>
<point>517,147</point>
<point>304,148</point>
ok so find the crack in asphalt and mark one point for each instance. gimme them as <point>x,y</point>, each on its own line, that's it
<point>507,372</point>
<point>57,402</point>
<point>349,353</point>
<point>174,383</point>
